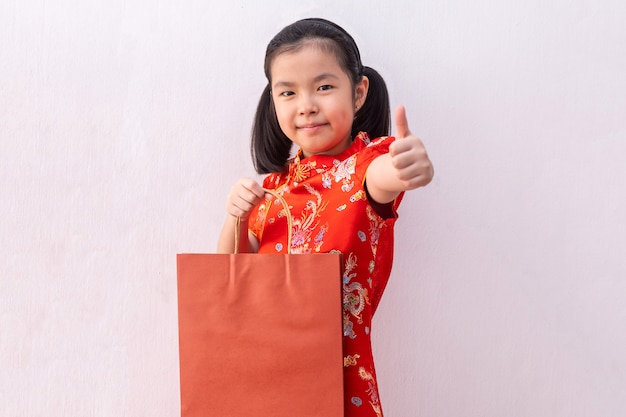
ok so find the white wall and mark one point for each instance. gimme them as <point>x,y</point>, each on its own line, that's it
<point>123,124</point>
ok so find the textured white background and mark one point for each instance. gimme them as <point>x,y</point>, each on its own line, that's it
<point>123,124</point>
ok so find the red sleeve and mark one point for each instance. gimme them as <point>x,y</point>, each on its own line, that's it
<point>373,150</point>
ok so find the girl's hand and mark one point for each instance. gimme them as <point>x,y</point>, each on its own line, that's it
<point>406,166</point>
<point>408,155</point>
<point>244,195</point>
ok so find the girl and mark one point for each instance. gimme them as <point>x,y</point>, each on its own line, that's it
<point>342,188</point>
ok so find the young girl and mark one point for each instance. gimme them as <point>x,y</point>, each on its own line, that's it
<point>344,184</point>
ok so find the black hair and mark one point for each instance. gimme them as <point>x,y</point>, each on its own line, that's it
<point>270,147</point>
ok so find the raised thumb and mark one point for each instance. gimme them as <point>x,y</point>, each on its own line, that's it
<point>402,125</point>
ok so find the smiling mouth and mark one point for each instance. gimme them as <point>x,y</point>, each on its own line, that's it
<point>311,126</point>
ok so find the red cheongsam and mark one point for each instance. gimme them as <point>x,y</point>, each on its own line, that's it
<point>332,213</point>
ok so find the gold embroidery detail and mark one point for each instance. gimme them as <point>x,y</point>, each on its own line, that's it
<point>350,360</point>
<point>301,172</point>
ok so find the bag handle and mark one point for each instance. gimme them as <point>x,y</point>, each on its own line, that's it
<point>283,202</point>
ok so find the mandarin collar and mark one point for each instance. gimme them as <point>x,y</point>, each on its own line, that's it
<point>302,168</point>
<point>360,141</point>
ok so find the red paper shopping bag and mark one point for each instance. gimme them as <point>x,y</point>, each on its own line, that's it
<point>260,335</point>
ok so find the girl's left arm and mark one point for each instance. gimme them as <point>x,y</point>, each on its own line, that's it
<point>405,167</point>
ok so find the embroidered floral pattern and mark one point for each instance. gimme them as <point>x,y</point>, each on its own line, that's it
<point>301,172</point>
<point>371,390</point>
<point>304,226</point>
<point>354,296</point>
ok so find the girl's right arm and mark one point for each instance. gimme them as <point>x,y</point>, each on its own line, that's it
<point>243,197</point>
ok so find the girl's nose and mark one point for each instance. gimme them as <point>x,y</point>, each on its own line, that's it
<point>307,105</point>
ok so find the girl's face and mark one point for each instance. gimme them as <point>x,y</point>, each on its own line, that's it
<point>314,99</point>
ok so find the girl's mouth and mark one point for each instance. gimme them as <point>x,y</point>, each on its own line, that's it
<point>311,127</point>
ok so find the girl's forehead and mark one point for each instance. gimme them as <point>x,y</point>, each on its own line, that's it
<point>310,55</point>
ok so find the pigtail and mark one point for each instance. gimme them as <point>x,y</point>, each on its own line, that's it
<point>270,148</point>
<point>375,115</point>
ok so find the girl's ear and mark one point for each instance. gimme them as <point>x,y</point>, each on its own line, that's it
<point>361,92</point>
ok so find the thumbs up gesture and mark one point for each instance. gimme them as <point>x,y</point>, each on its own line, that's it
<point>408,155</point>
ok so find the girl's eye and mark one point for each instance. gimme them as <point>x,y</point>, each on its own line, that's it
<point>287,93</point>
<point>325,87</point>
